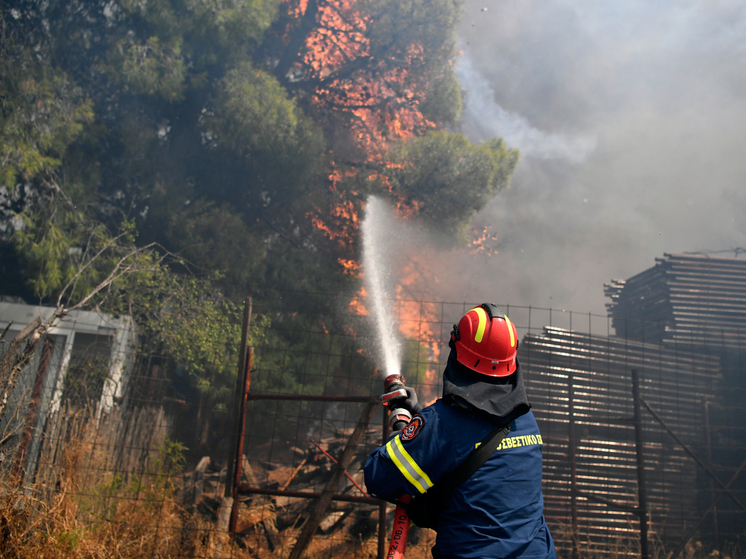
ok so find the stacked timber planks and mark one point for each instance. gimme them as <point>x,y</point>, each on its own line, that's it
<point>683,298</point>
<point>581,391</point>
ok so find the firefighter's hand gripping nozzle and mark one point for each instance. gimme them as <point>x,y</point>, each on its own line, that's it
<point>398,397</point>
<point>401,400</point>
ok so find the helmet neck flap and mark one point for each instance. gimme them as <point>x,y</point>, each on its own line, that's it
<point>501,398</point>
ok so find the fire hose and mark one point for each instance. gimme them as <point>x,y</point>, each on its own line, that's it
<point>398,419</point>
<point>400,531</point>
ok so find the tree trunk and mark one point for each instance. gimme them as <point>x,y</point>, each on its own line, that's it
<point>297,41</point>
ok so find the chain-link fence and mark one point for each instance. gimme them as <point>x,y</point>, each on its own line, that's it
<point>146,460</point>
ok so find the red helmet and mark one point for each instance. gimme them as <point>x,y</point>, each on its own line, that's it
<point>486,341</point>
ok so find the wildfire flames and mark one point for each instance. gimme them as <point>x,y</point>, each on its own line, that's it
<point>351,267</point>
<point>341,224</point>
<point>483,242</point>
<point>420,317</point>
<point>420,320</point>
<point>338,39</point>
<point>377,100</point>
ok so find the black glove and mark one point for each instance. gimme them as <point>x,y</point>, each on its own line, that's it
<point>410,403</point>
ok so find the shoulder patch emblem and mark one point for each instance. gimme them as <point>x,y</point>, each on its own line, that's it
<point>414,427</point>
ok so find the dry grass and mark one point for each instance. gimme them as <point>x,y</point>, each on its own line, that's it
<point>86,512</point>
<point>92,514</point>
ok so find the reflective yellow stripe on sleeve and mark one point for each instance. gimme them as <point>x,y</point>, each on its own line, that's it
<point>407,466</point>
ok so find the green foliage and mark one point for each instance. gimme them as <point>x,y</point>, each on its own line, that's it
<point>212,31</point>
<point>84,381</point>
<point>56,243</point>
<point>190,320</point>
<point>234,27</point>
<point>427,24</point>
<point>69,540</point>
<point>443,102</point>
<point>171,460</point>
<point>101,502</point>
<point>157,15</point>
<point>253,112</point>
<point>291,371</point>
<point>168,46</point>
<point>446,179</point>
<point>41,114</point>
<point>191,324</point>
<point>301,354</point>
<point>160,482</point>
<point>266,135</point>
<point>217,239</point>
<point>186,317</point>
<point>47,248</point>
<point>68,255</point>
<point>150,67</point>
<point>203,334</point>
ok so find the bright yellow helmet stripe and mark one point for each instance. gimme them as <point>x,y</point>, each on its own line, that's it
<point>407,466</point>
<point>510,329</point>
<point>482,324</point>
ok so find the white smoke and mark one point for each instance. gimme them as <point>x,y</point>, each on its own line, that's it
<point>660,85</point>
<point>488,119</point>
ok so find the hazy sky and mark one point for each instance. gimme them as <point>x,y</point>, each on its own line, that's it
<point>631,120</point>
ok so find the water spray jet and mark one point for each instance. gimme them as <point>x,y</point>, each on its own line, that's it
<point>377,242</point>
<point>377,274</point>
<point>376,239</point>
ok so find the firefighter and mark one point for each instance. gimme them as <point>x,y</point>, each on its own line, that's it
<point>498,511</point>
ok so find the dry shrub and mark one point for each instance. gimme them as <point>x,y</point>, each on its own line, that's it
<point>95,514</point>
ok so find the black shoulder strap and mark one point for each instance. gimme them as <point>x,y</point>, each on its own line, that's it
<point>451,481</point>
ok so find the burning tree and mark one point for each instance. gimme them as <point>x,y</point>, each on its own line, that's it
<point>243,136</point>
<point>378,76</point>
<point>372,71</point>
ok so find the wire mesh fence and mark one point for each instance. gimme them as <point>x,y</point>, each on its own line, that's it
<point>155,465</point>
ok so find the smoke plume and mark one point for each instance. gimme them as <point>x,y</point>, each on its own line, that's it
<point>486,119</point>
<point>631,119</point>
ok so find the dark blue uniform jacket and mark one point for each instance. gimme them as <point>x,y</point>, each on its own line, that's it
<point>498,512</point>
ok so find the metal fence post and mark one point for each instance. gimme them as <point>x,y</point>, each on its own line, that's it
<point>243,383</point>
<point>642,504</point>
<point>572,452</point>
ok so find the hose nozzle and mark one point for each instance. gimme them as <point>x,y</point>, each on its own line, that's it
<point>399,419</point>
<point>394,390</point>
<point>393,386</point>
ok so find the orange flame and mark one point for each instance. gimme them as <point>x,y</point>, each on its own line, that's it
<point>379,101</point>
<point>483,242</point>
<point>356,304</point>
<point>379,98</point>
<point>351,267</point>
